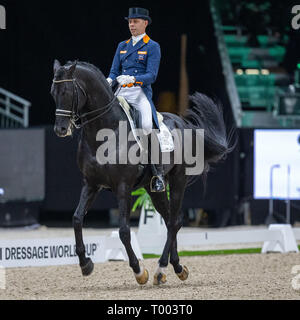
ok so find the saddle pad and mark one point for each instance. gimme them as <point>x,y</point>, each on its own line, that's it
<point>126,107</point>
<point>164,137</point>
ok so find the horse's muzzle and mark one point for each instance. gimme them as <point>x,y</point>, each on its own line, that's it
<point>60,131</point>
<point>63,130</point>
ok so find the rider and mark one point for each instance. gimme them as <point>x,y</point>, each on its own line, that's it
<point>135,67</point>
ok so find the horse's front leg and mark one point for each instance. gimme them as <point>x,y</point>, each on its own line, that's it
<point>124,197</point>
<point>87,197</point>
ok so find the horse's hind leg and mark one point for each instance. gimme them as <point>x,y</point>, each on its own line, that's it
<point>87,197</point>
<point>124,197</point>
<point>181,271</point>
<point>177,184</point>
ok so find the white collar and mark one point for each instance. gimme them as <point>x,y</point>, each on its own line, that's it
<point>136,39</point>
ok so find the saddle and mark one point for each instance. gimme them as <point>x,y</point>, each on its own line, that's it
<point>135,114</point>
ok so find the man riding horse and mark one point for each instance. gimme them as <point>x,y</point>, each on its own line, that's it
<point>135,67</point>
<point>84,100</point>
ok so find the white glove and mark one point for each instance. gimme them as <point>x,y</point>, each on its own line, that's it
<point>109,80</point>
<point>125,79</point>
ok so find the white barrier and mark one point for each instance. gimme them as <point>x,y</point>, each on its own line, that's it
<point>151,244</point>
<point>115,250</point>
<point>61,251</point>
<point>151,222</point>
<point>152,236</point>
<point>48,252</point>
<point>147,242</point>
<point>151,228</point>
<point>285,243</point>
<point>275,234</point>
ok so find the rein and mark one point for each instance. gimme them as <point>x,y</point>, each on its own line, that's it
<point>73,114</point>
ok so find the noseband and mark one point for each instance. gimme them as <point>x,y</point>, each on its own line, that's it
<point>74,113</point>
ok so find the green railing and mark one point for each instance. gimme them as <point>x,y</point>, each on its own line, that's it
<point>253,74</point>
<point>226,66</point>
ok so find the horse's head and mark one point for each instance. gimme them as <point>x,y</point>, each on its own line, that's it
<point>69,98</point>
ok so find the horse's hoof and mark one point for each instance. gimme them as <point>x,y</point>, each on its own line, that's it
<point>183,275</point>
<point>160,278</point>
<point>88,268</point>
<point>143,277</point>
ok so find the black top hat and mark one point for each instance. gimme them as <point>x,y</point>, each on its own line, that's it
<point>139,13</point>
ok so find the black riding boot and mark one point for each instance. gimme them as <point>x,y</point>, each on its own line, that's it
<point>157,183</point>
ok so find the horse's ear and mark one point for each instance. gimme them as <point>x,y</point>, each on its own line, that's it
<point>56,65</point>
<point>72,68</point>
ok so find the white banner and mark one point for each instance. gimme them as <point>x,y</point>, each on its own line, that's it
<point>48,252</point>
<point>277,164</point>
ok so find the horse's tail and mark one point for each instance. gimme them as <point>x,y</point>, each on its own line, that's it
<point>208,115</point>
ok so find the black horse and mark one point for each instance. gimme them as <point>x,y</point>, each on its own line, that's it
<point>85,100</point>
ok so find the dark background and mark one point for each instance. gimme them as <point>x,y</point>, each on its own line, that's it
<point>40,31</point>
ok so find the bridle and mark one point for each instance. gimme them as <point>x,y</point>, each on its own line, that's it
<point>73,113</point>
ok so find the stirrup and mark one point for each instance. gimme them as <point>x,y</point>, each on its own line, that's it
<point>153,190</point>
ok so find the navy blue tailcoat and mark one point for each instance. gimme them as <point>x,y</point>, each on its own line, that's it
<point>141,61</point>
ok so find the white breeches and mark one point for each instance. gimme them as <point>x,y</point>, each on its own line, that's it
<point>137,98</point>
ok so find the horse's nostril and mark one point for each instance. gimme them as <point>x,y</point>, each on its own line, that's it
<point>60,131</point>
